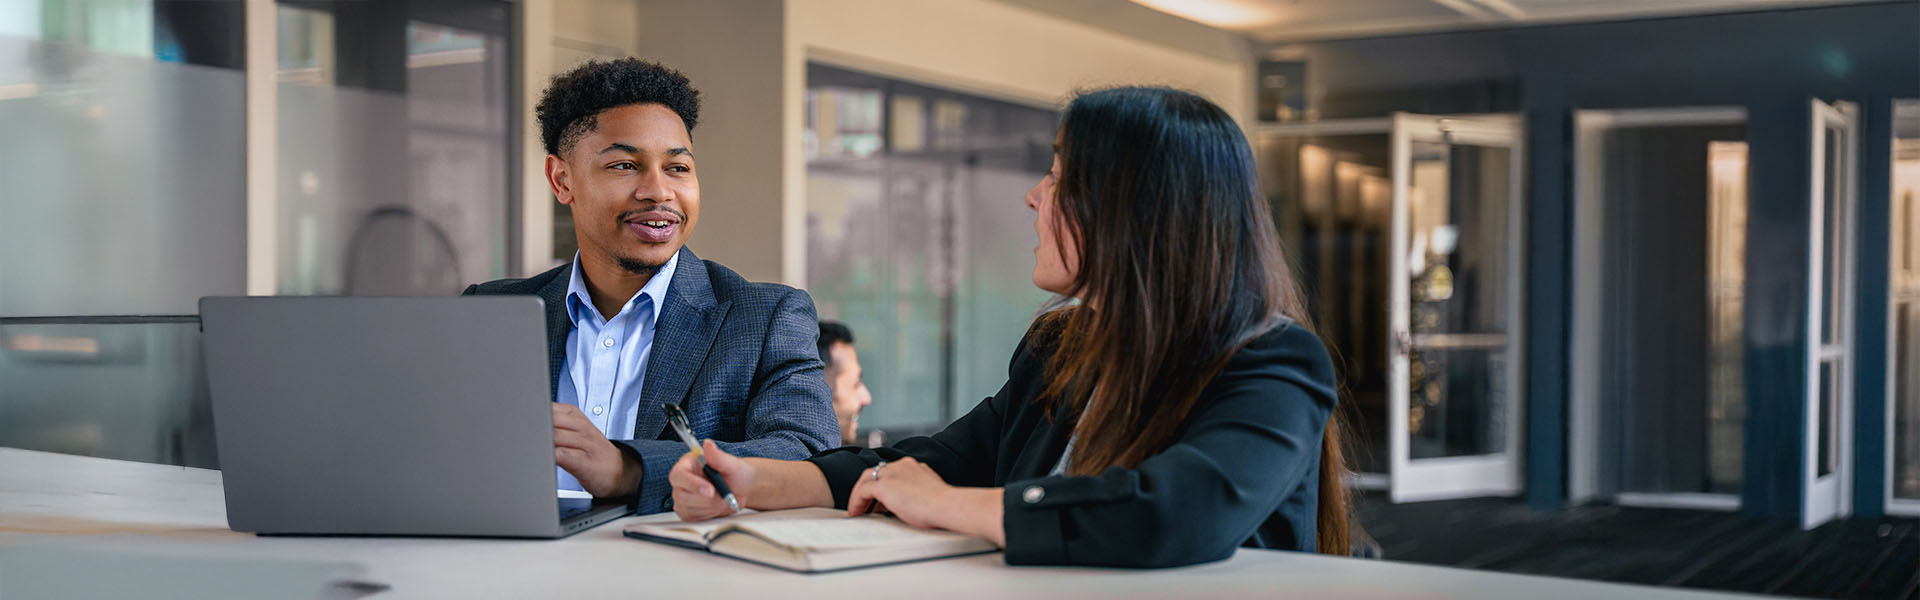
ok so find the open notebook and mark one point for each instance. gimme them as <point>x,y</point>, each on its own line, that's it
<point>811,540</point>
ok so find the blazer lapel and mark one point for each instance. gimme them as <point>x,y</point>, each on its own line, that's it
<point>559,325</point>
<point>689,322</point>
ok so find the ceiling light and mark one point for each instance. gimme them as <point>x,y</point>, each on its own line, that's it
<point>1225,14</point>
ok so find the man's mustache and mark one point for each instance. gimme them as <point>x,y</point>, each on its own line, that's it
<point>630,214</point>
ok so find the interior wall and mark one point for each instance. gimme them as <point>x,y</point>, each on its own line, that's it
<point>597,24</point>
<point>731,50</point>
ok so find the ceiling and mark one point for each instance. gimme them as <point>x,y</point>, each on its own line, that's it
<point>1294,20</point>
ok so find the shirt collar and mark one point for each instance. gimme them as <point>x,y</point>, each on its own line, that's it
<point>580,302</point>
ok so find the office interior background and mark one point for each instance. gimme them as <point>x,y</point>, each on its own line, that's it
<point>1574,252</point>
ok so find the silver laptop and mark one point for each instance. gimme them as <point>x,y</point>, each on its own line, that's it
<point>387,416</point>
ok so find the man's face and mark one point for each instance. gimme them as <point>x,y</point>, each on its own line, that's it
<point>849,393</point>
<point>631,185</point>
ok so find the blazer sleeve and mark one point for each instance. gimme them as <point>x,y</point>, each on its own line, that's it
<point>963,454</point>
<point>789,414</point>
<point>1254,438</point>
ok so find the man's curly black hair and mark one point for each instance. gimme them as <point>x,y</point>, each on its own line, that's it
<point>573,100</point>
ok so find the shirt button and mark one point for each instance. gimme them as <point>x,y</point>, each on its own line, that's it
<point>598,410</point>
<point>607,343</point>
<point>1033,495</point>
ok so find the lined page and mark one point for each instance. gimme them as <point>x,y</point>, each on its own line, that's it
<point>700,529</point>
<point>846,532</point>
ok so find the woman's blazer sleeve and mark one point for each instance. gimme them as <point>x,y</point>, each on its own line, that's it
<point>1254,438</point>
<point>965,453</point>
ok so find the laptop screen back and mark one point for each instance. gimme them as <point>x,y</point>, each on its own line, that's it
<point>382,416</point>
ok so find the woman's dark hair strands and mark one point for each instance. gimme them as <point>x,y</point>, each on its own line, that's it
<point>1181,264</point>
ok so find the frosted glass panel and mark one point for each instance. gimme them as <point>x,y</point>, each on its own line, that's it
<point>124,391</point>
<point>121,182</point>
<point>870,247</point>
<point>995,300</point>
<point>383,191</point>
<point>122,191</point>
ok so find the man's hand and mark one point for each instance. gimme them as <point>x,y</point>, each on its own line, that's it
<point>694,498</point>
<point>578,446</point>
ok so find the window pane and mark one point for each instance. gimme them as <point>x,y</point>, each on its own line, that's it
<point>1463,286</point>
<point>917,237</point>
<point>124,174</point>
<point>1826,452</point>
<point>393,167</point>
<point>1457,404</point>
<point>1906,400</point>
<point>1726,307</point>
<point>1458,205</point>
<point>1834,219</point>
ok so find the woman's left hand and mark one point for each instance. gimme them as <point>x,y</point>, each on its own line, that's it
<point>912,492</point>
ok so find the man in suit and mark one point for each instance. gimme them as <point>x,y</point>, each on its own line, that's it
<point>636,320</point>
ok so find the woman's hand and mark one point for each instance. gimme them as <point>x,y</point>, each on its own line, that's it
<point>694,498</point>
<point>911,491</point>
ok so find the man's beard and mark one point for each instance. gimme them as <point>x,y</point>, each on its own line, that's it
<point>638,267</point>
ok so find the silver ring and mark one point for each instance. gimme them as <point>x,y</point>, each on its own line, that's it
<point>876,470</point>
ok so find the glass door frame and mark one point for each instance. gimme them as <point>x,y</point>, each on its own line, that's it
<point>1328,128</point>
<point>1584,437</point>
<point>1828,497</point>
<point>1896,505</point>
<point>1493,129</point>
<point>1494,474</point>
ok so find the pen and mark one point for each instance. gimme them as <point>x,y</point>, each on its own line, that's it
<point>678,419</point>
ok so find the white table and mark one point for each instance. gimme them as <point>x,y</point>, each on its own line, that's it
<point>176,511</point>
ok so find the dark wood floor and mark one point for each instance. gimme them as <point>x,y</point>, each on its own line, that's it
<point>1859,558</point>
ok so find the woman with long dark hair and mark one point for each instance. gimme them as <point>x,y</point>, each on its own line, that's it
<point>1182,408</point>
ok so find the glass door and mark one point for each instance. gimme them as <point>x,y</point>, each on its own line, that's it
<point>1454,322</point>
<point>1903,305</point>
<point>1827,457</point>
<point>1329,187</point>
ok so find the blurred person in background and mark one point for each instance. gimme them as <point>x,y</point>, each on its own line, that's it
<point>850,394</point>
<point>1182,408</point>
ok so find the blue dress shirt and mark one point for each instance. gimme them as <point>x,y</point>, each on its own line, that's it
<point>606,364</point>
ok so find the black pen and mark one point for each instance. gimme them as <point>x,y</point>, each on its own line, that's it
<point>678,419</point>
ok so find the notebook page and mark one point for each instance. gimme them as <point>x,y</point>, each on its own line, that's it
<point>844,532</point>
<point>698,530</point>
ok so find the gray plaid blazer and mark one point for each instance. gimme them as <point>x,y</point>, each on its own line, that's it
<point>738,356</point>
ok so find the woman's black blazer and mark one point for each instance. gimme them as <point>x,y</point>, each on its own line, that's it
<point>1242,472</point>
